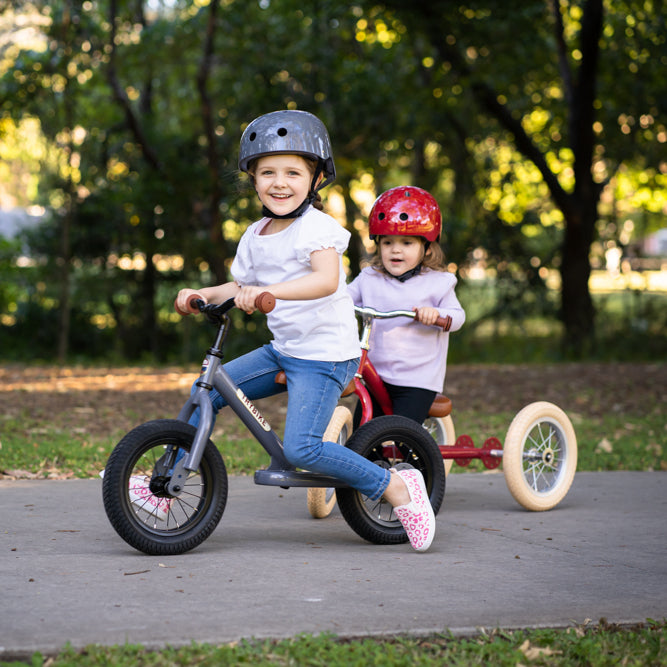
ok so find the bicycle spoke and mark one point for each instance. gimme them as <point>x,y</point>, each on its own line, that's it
<point>543,457</point>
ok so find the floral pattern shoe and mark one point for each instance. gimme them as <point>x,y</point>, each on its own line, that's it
<point>417,516</point>
<point>143,498</point>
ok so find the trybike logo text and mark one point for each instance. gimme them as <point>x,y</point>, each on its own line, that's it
<point>253,410</point>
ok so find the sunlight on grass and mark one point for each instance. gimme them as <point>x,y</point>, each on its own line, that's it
<point>611,442</point>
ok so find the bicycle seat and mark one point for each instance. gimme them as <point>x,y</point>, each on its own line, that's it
<point>281,379</point>
<point>441,406</point>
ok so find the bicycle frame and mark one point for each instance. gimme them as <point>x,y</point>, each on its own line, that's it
<point>280,472</point>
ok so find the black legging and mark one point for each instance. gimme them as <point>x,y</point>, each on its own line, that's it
<point>412,402</point>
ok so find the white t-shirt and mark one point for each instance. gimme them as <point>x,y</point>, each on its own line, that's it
<point>322,329</point>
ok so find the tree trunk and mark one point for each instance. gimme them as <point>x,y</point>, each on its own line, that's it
<point>65,309</point>
<point>219,250</point>
<point>577,312</point>
<point>148,288</point>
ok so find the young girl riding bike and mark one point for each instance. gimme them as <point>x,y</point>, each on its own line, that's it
<point>295,253</point>
<point>408,271</point>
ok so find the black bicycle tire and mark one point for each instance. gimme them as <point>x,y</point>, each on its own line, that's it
<point>118,505</point>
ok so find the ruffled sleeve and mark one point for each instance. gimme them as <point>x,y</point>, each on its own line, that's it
<point>319,231</point>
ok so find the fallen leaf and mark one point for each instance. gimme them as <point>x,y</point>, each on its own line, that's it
<point>604,446</point>
<point>535,652</point>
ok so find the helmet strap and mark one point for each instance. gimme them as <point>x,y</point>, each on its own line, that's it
<point>298,211</point>
<point>408,274</point>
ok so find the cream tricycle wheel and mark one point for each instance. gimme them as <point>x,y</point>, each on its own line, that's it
<point>540,456</point>
<point>321,501</point>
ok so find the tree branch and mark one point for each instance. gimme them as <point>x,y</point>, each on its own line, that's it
<point>584,93</point>
<point>120,96</point>
<point>487,97</point>
<point>563,64</point>
<point>203,73</point>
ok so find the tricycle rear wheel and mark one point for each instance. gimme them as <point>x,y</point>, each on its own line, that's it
<point>540,456</point>
<point>322,501</point>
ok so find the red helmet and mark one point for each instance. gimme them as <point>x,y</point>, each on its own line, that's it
<point>405,211</point>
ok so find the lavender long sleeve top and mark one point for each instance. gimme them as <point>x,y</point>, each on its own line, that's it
<point>404,352</point>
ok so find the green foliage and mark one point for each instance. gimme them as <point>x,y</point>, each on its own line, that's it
<point>140,126</point>
<point>8,289</point>
<point>508,321</point>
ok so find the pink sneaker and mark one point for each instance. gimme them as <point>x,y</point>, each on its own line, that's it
<point>417,516</point>
<point>141,496</point>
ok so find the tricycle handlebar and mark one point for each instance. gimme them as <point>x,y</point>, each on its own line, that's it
<point>443,322</point>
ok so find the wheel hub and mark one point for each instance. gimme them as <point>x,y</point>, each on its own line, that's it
<point>159,485</point>
<point>548,455</point>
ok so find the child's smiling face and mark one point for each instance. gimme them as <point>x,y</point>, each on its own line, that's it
<point>282,182</point>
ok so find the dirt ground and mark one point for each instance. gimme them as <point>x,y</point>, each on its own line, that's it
<point>106,400</point>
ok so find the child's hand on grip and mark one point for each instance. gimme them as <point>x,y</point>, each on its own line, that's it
<point>183,304</point>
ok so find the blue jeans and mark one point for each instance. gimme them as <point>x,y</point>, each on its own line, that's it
<point>314,388</point>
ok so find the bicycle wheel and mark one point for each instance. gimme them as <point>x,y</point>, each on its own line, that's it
<point>390,441</point>
<point>540,456</point>
<point>321,501</point>
<point>136,500</point>
<point>442,431</point>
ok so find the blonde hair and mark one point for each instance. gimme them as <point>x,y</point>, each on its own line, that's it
<point>312,167</point>
<point>434,256</point>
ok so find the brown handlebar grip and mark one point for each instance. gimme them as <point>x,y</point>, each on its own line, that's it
<point>444,322</point>
<point>265,302</point>
<point>191,305</point>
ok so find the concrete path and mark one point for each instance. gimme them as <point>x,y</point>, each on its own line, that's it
<point>269,570</point>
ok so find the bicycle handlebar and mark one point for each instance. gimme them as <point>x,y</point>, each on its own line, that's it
<point>265,303</point>
<point>443,322</point>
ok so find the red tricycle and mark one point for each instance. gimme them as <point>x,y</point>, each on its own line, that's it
<point>539,456</point>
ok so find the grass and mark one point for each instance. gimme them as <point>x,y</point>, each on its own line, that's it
<point>595,646</point>
<point>610,442</point>
<point>48,452</point>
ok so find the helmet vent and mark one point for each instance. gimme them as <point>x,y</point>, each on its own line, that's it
<point>381,216</point>
<point>282,132</point>
<point>403,216</point>
<point>253,136</point>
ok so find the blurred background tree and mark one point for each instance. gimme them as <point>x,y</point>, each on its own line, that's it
<point>537,127</point>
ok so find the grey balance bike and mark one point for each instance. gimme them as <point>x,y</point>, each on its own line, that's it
<point>165,483</point>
